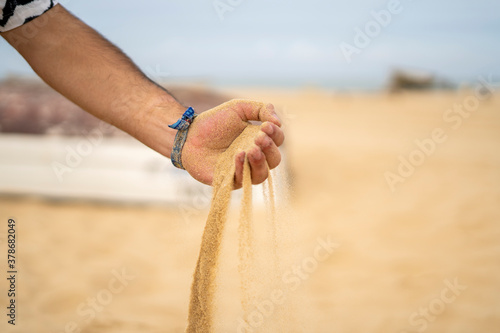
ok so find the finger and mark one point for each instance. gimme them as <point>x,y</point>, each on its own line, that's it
<point>274,132</point>
<point>273,155</point>
<point>239,160</point>
<point>258,165</point>
<point>257,111</point>
<point>267,113</point>
<point>270,150</point>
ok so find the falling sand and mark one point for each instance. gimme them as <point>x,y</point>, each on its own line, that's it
<point>204,287</point>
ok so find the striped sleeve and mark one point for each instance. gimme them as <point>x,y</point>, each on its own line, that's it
<point>14,13</point>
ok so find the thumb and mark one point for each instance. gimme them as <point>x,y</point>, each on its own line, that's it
<point>257,111</point>
<point>267,113</point>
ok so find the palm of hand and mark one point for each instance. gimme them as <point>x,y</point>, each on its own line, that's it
<point>211,133</point>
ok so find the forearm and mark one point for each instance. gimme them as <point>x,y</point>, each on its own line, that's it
<point>83,66</point>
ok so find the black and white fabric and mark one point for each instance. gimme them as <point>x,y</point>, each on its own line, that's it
<point>14,13</point>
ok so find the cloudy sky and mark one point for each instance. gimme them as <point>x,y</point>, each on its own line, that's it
<point>294,42</point>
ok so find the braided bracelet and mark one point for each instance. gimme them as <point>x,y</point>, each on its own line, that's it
<point>182,127</point>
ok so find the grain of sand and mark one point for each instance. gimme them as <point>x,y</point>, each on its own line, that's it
<point>202,307</point>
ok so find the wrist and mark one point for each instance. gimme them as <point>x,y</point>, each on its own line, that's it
<point>153,120</point>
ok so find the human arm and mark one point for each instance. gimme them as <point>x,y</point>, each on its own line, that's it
<point>90,71</point>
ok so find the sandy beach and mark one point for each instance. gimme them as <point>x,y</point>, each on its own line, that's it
<point>406,186</point>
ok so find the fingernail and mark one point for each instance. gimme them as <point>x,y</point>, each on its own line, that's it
<point>260,137</point>
<point>277,118</point>
<point>263,140</point>
<point>268,128</point>
<point>266,142</point>
<point>257,154</point>
<point>241,156</point>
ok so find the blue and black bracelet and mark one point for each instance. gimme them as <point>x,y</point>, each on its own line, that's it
<point>182,127</point>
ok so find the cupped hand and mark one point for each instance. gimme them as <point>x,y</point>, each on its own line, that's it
<point>213,131</point>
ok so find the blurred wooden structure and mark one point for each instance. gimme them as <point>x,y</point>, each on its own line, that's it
<point>402,80</point>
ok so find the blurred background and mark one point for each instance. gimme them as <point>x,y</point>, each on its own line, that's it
<point>293,43</point>
<point>391,111</point>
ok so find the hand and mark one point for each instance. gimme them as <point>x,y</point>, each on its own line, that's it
<point>213,131</point>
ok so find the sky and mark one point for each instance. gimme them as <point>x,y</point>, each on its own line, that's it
<point>293,43</point>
